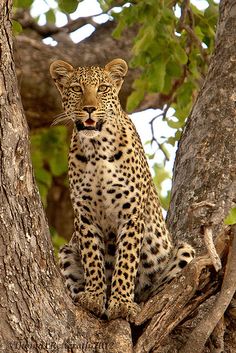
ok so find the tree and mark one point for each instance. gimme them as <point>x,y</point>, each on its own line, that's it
<point>38,316</point>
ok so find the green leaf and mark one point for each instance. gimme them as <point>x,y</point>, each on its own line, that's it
<point>174,124</point>
<point>44,177</point>
<point>58,163</point>
<point>211,14</point>
<point>16,26</point>
<point>49,149</point>
<point>165,200</point>
<point>168,15</point>
<point>171,140</point>
<point>180,54</point>
<point>231,218</point>
<point>68,6</point>
<point>157,76</point>
<point>57,240</point>
<point>37,158</point>
<point>198,32</point>
<point>134,99</point>
<point>23,3</point>
<point>185,94</point>
<point>150,156</point>
<point>178,135</point>
<point>119,29</point>
<point>43,190</point>
<point>50,16</point>
<point>161,174</point>
<point>144,39</point>
<point>165,151</point>
<point>173,69</point>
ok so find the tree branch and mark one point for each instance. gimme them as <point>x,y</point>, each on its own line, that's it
<point>217,337</point>
<point>165,308</point>
<point>47,30</point>
<point>186,14</point>
<point>172,305</point>
<point>154,139</point>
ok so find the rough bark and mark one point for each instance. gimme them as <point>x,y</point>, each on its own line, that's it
<point>204,180</point>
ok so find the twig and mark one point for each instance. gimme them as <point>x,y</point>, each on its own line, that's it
<point>186,13</point>
<point>200,204</point>
<point>195,39</point>
<point>208,238</point>
<point>162,114</point>
<point>203,212</point>
<point>151,122</point>
<point>202,332</point>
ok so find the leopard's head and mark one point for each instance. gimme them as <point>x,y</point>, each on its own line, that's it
<point>90,94</point>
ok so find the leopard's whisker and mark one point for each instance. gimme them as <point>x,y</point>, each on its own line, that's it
<point>62,118</point>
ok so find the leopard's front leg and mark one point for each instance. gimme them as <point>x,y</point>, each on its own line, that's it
<point>129,242</point>
<point>91,244</point>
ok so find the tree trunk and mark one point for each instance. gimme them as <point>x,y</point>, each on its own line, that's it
<point>36,313</point>
<point>204,180</point>
<point>205,165</point>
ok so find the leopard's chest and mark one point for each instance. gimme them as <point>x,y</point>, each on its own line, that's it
<point>101,186</point>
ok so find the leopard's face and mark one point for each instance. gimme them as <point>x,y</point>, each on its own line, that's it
<point>90,100</point>
<point>90,94</point>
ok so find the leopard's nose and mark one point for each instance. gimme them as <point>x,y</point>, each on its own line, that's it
<point>89,109</point>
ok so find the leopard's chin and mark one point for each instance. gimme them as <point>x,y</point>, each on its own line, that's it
<point>89,133</point>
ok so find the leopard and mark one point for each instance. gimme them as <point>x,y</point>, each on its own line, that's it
<point>120,246</point>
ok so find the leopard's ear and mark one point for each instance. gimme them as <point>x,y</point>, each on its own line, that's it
<point>61,72</point>
<point>117,70</point>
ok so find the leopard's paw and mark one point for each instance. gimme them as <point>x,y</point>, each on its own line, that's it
<point>92,302</point>
<point>122,309</point>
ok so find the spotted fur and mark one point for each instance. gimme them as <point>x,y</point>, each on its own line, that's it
<point>120,245</point>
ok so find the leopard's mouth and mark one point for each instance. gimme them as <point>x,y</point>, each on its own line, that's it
<point>89,124</point>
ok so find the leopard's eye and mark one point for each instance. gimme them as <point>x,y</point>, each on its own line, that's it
<point>103,88</point>
<point>76,88</point>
